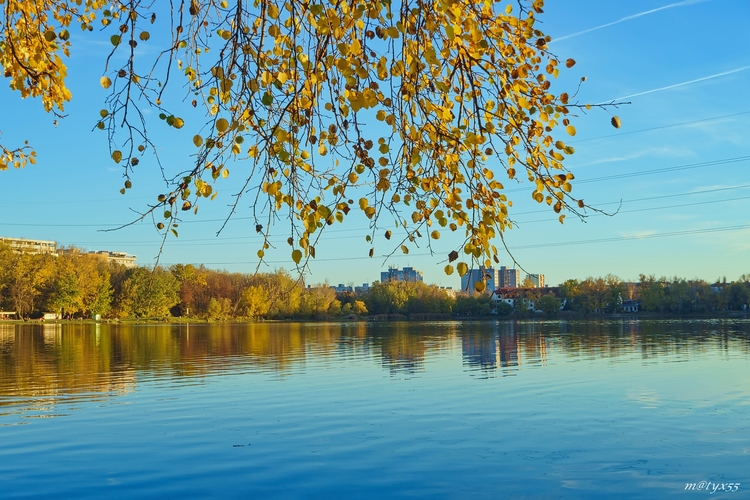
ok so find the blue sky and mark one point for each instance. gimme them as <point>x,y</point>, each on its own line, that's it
<point>680,163</point>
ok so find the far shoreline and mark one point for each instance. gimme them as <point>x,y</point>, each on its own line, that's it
<point>394,318</point>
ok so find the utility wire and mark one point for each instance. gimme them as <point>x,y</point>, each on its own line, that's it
<point>249,239</point>
<point>710,163</point>
<point>512,248</point>
<point>682,124</point>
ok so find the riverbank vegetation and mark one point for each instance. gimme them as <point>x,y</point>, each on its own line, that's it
<point>656,295</point>
<point>80,285</point>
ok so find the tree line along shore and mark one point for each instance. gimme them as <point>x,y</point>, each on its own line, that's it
<point>76,285</point>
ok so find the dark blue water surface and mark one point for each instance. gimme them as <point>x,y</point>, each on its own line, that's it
<point>623,409</point>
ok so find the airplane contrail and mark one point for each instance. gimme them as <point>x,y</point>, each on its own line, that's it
<point>717,75</point>
<point>628,18</point>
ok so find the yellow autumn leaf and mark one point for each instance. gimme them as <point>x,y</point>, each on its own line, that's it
<point>222,125</point>
<point>462,268</point>
<point>296,256</point>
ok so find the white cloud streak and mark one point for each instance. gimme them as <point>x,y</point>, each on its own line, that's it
<point>684,3</point>
<point>682,84</point>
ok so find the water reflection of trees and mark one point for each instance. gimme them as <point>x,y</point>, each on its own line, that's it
<point>512,344</point>
<point>39,362</point>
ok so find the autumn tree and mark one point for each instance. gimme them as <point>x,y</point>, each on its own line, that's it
<point>316,302</point>
<point>414,112</point>
<point>254,302</point>
<point>26,279</point>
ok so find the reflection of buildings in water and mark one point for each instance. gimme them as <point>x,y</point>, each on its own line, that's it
<point>633,333</point>
<point>509,344</point>
<point>481,350</point>
<point>491,350</point>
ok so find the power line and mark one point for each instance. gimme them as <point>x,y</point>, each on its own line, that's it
<point>248,239</point>
<point>688,166</point>
<point>513,248</point>
<point>650,209</point>
<point>243,240</point>
<point>662,196</point>
<point>710,163</point>
<point>682,124</point>
<point>643,237</point>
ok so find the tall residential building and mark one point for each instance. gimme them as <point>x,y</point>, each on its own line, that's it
<point>30,246</point>
<point>509,278</point>
<point>406,274</point>
<point>537,279</point>
<point>489,275</point>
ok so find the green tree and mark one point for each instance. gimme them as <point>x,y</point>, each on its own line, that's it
<point>147,293</point>
<point>503,308</point>
<point>474,305</point>
<point>549,304</point>
<point>651,293</point>
<point>66,296</point>
<point>736,296</point>
<point>569,291</point>
<point>388,298</point>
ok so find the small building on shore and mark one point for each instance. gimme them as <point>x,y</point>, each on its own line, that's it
<point>630,306</point>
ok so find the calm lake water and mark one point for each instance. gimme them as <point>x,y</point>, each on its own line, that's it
<point>625,409</point>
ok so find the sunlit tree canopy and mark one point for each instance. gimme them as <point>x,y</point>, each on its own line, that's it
<point>416,113</point>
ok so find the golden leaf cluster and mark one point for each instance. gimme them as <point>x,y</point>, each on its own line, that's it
<point>414,111</point>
